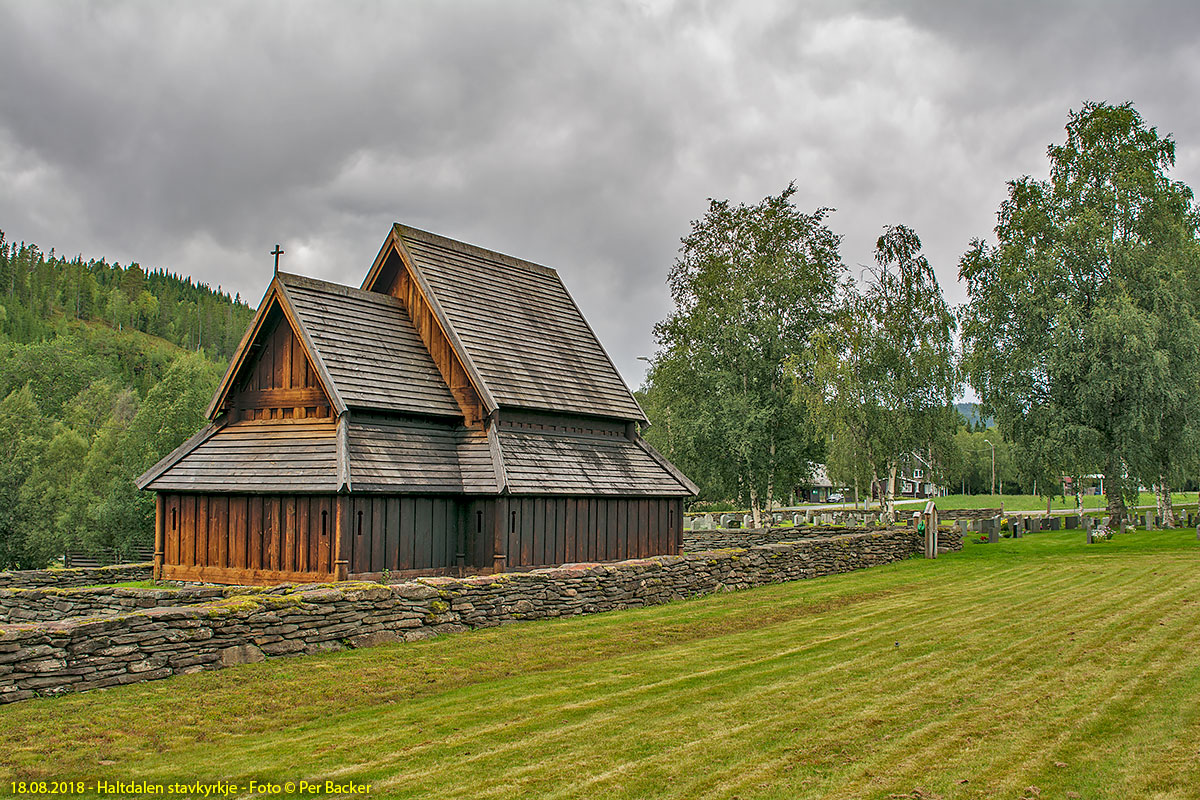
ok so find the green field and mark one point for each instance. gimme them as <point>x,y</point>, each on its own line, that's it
<point>1037,667</point>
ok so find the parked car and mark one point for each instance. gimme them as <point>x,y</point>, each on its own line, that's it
<point>836,497</point>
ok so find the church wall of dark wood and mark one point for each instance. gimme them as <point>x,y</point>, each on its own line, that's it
<point>241,538</point>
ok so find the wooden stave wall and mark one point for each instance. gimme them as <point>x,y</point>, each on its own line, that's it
<point>548,529</point>
<point>547,532</point>
<point>249,538</point>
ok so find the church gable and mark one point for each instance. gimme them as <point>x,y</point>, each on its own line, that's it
<point>277,378</point>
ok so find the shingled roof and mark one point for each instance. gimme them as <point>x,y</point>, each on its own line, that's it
<point>369,346</point>
<point>519,328</point>
<point>396,426</point>
<point>363,345</point>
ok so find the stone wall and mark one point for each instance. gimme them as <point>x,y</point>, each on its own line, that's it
<point>77,576</point>
<point>695,541</point>
<point>720,538</point>
<point>44,605</point>
<point>88,653</point>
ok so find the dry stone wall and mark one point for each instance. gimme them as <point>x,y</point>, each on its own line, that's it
<point>92,652</point>
<point>78,576</point>
<point>720,538</point>
<point>43,605</point>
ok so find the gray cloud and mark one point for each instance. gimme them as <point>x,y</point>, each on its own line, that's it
<point>582,136</point>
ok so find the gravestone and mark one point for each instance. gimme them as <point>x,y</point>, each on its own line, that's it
<point>726,519</point>
<point>708,522</point>
<point>797,520</point>
<point>1033,524</point>
<point>776,518</point>
<point>992,528</point>
<point>1018,528</point>
<point>1055,523</point>
<point>747,521</point>
<point>1088,528</point>
<point>1071,522</point>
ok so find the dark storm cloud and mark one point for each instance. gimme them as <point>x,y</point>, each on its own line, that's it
<point>583,136</point>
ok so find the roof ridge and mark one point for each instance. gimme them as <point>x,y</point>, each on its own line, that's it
<point>332,287</point>
<point>472,249</point>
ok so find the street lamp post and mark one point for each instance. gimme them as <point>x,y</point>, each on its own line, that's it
<point>989,444</point>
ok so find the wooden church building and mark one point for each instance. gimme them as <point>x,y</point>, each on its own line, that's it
<point>454,415</point>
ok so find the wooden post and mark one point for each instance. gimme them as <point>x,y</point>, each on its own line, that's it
<point>678,506</point>
<point>160,534</point>
<point>500,536</point>
<point>341,541</point>
<point>460,555</point>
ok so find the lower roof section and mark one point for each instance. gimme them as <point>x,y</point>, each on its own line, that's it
<point>545,462</point>
<point>401,456</point>
<point>258,456</point>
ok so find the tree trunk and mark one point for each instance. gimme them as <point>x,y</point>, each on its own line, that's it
<point>875,487</point>
<point>1114,483</point>
<point>1166,511</point>
<point>889,495</point>
<point>770,481</point>
<point>755,511</point>
<point>1049,502</point>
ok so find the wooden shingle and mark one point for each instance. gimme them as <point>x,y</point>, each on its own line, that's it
<point>520,328</point>
<point>369,347</point>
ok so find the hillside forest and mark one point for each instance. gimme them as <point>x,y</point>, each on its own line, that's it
<point>104,368</point>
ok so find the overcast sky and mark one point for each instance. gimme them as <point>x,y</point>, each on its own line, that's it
<point>585,136</point>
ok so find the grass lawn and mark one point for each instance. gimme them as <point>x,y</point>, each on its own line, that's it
<point>1036,667</point>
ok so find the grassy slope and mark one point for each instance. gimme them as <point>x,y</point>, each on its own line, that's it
<point>1039,662</point>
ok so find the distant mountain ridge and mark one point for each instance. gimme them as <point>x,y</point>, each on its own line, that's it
<point>972,413</point>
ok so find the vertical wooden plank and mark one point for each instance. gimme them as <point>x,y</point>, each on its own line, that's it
<point>342,533</point>
<point>323,508</point>
<point>254,532</point>
<point>273,532</point>
<point>391,547</point>
<point>302,534</point>
<point>613,531</point>
<point>499,536</point>
<point>160,534</point>
<point>512,526</point>
<point>599,534</point>
<point>223,530</point>
<point>668,518</point>
<point>572,522</point>
<point>360,522</point>
<point>378,533</point>
<point>560,530</point>
<point>678,528</point>
<point>298,362</point>
<point>424,538</point>
<point>201,529</point>
<point>449,532</point>
<point>237,531</point>
<point>408,533</point>
<point>627,529</point>
<point>525,526</point>
<point>171,518</point>
<point>542,534</point>
<point>280,347</point>
<point>644,523</point>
